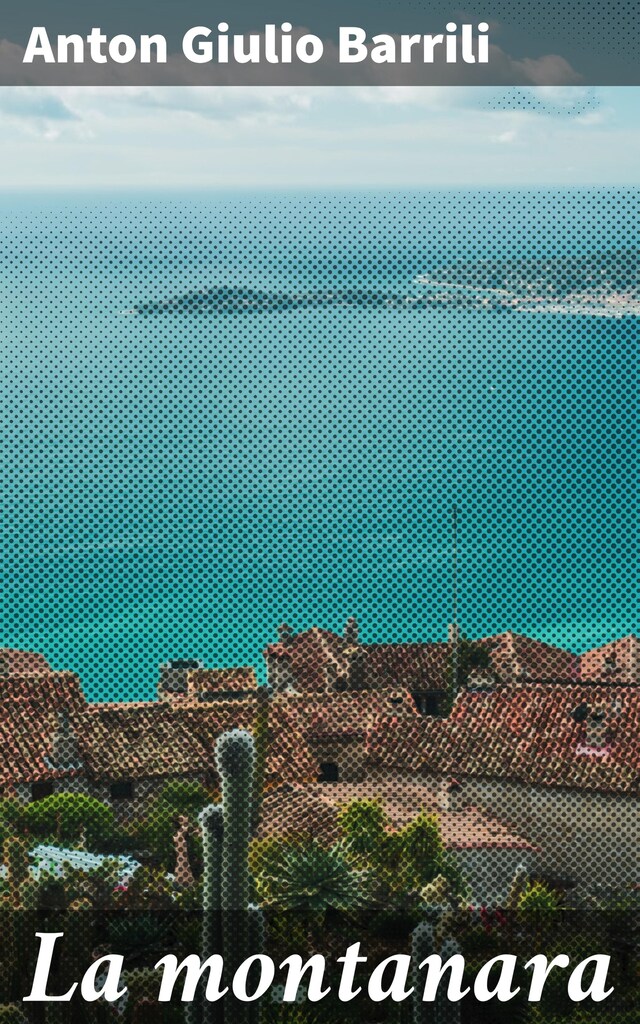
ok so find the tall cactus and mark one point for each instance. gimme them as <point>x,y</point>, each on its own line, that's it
<point>235,760</point>
<point>231,924</point>
<point>211,824</point>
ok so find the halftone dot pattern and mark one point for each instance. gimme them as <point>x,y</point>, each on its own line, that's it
<point>571,103</point>
<point>603,29</point>
<point>350,481</point>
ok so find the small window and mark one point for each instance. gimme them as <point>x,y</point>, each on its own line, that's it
<point>581,713</point>
<point>428,704</point>
<point>329,772</point>
<point>39,790</point>
<point>121,790</point>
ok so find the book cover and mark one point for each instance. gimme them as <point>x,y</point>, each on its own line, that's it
<point>319,647</point>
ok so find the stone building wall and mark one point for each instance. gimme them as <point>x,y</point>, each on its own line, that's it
<point>590,838</point>
<point>348,755</point>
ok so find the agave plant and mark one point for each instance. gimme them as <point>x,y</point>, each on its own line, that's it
<point>310,880</point>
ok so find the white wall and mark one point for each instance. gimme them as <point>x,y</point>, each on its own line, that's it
<point>586,836</point>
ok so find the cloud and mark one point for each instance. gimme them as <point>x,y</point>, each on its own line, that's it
<point>214,102</point>
<point>505,137</point>
<point>414,137</point>
<point>550,70</point>
<point>24,102</point>
<point>38,112</point>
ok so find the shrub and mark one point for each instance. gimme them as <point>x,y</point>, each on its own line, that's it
<point>538,901</point>
<point>420,851</point>
<point>177,797</point>
<point>364,824</point>
<point>68,816</point>
<point>15,852</point>
<point>184,796</point>
<point>11,813</point>
<point>311,879</point>
<point>11,1013</point>
<point>267,856</point>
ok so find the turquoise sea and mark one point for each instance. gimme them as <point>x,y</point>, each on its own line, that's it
<point>286,439</point>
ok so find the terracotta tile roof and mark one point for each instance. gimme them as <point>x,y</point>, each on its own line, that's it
<point>416,666</point>
<point>206,682</point>
<point>200,685</point>
<point>521,658</point>
<point>53,689</point>
<point>291,810</point>
<point>22,663</point>
<point>616,662</point>
<point>159,739</point>
<point>136,739</point>
<point>541,734</point>
<point>321,660</point>
<point>310,655</point>
<point>347,715</point>
<point>143,742</point>
<point>313,811</point>
<point>473,829</point>
<point>27,728</point>
<point>30,711</point>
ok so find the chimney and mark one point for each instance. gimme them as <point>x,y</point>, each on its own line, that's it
<point>350,633</point>
<point>65,753</point>
<point>280,676</point>
<point>610,665</point>
<point>453,633</point>
<point>173,681</point>
<point>285,634</point>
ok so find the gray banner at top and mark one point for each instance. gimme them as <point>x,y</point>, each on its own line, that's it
<point>297,42</point>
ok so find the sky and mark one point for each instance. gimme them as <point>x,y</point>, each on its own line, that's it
<point>181,138</point>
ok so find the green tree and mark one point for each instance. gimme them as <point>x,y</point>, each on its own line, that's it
<point>400,862</point>
<point>365,827</point>
<point>12,1013</point>
<point>11,814</point>
<point>184,796</point>
<point>538,908</point>
<point>68,816</point>
<point>419,852</point>
<point>156,830</point>
<point>15,853</point>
